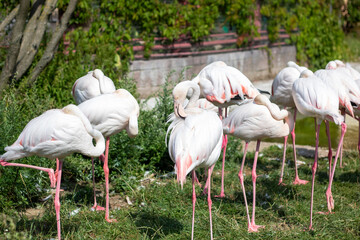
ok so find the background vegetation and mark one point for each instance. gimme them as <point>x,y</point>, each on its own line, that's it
<point>99,36</point>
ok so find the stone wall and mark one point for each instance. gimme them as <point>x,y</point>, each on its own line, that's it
<point>255,64</point>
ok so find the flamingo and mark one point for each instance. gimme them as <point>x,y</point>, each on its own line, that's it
<point>314,98</point>
<point>195,139</point>
<point>93,84</point>
<point>56,133</point>
<point>254,120</point>
<point>223,86</point>
<point>281,95</point>
<point>110,114</point>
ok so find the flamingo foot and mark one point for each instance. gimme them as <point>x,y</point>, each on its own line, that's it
<point>325,213</point>
<point>222,195</point>
<point>330,200</point>
<point>3,162</point>
<point>110,220</point>
<point>97,208</point>
<point>281,183</point>
<point>53,178</point>
<point>254,228</point>
<point>298,181</point>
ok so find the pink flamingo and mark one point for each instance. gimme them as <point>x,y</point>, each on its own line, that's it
<point>281,95</point>
<point>93,84</point>
<point>110,114</point>
<point>223,86</point>
<point>55,134</point>
<point>255,120</point>
<point>314,98</point>
<point>195,139</point>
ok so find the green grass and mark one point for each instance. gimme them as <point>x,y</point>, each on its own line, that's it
<point>162,210</point>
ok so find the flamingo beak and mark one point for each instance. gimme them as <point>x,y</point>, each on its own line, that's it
<point>179,110</point>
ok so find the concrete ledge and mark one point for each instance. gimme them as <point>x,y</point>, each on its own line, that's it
<point>256,64</point>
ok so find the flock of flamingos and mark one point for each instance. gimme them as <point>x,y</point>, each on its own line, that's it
<point>199,126</point>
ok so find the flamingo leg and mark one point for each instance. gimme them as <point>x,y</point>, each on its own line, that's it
<point>210,202</point>
<point>193,202</point>
<point>329,198</point>
<point>314,167</point>
<point>297,180</point>
<point>106,171</point>
<point>222,193</point>
<point>329,144</point>
<point>283,162</point>
<point>50,171</point>
<point>253,227</point>
<point>57,198</point>
<point>197,180</point>
<point>95,207</point>
<point>207,181</point>
<point>241,178</point>
<point>341,147</point>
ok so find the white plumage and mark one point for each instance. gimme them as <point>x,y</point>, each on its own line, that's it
<point>93,84</point>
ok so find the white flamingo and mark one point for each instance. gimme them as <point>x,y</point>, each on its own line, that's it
<point>255,120</point>
<point>314,98</point>
<point>55,134</point>
<point>223,86</point>
<point>195,139</point>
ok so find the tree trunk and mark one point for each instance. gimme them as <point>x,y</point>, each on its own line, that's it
<point>8,69</point>
<point>9,18</point>
<point>51,46</point>
<point>40,26</point>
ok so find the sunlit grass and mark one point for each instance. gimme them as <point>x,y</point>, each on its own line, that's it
<point>162,210</point>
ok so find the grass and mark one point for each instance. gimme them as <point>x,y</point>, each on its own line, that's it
<point>162,210</point>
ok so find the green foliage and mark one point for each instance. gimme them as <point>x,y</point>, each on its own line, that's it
<point>351,16</point>
<point>319,38</point>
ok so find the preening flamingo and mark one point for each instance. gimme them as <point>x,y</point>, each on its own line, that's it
<point>110,114</point>
<point>255,120</point>
<point>314,98</point>
<point>93,84</point>
<point>223,86</point>
<point>281,95</point>
<point>195,139</point>
<point>55,134</point>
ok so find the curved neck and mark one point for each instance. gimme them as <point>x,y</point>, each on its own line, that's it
<point>99,139</point>
<point>99,75</point>
<point>275,112</point>
<point>196,94</point>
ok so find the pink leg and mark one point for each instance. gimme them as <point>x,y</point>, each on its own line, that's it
<point>253,227</point>
<point>314,167</point>
<point>50,171</point>
<point>193,202</point>
<point>241,178</point>
<point>205,191</point>
<point>329,144</point>
<point>283,162</point>
<point>297,180</point>
<point>210,203</point>
<point>329,198</point>
<point>222,193</point>
<point>95,207</point>
<point>341,147</point>
<point>197,180</point>
<point>106,171</point>
<point>57,198</point>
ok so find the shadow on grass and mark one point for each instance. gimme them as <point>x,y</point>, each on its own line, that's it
<point>155,226</point>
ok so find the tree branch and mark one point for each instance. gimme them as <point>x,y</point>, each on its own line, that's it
<point>40,25</point>
<point>8,69</point>
<point>51,46</point>
<point>9,18</point>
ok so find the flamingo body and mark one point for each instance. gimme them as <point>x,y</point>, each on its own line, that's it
<point>93,84</point>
